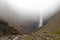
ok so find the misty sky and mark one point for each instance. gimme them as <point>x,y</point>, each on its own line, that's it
<point>26,12</point>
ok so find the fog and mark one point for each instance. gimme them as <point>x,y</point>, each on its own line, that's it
<point>28,13</point>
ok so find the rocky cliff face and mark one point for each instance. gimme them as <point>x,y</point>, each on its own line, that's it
<point>5,29</point>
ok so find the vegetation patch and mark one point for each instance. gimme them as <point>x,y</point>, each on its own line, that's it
<point>57,33</point>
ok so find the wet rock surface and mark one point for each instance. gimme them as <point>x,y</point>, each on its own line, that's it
<point>31,37</point>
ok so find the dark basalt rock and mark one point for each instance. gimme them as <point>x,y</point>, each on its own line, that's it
<point>3,22</point>
<point>6,29</point>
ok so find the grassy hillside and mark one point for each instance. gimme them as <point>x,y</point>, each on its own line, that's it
<point>52,26</point>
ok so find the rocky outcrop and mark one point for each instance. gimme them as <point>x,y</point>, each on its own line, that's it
<point>6,29</point>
